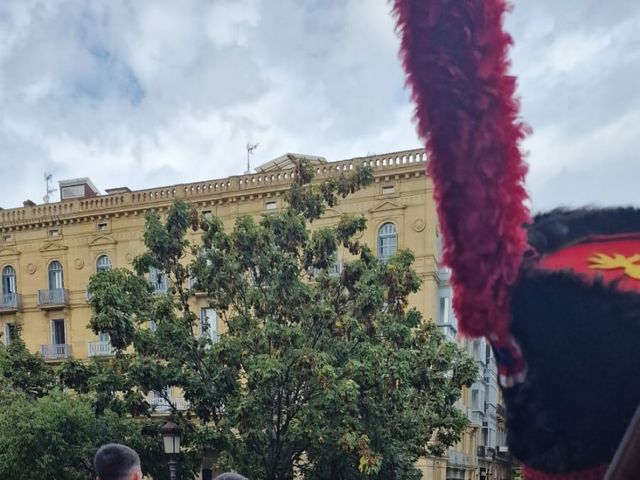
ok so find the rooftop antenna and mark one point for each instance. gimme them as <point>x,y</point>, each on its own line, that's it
<point>50,190</point>
<point>250,148</point>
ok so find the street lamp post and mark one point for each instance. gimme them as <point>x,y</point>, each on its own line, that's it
<point>171,440</point>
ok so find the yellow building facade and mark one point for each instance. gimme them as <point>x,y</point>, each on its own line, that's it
<point>49,252</point>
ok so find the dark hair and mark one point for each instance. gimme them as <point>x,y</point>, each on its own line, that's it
<point>115,462</point>
<point>230,476</point>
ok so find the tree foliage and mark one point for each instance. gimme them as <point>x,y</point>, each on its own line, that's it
<point>317,373</point>
<point>20,370</point>
<point>48,433</point>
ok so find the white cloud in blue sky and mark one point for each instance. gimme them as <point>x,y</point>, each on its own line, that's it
<point>144,93</point>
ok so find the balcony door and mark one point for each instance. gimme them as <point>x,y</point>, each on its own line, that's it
<point>208,323</point>
<point>103,337</point>
<point>55,276</point>
<point>57,332</point>
<point>8,280</point>
<point>158,280</point>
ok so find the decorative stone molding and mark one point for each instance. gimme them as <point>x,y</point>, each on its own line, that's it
<point>101,240</point>
<point>387,206</point>
<point>52,246</point>
<point>9,252</point>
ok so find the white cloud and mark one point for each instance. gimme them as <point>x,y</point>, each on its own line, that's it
<point>156,92</point>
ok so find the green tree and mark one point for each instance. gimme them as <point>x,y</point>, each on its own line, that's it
<point>56,436</point>
<point>318,374</point>
<point>47,433</point>
<point>20,370</point>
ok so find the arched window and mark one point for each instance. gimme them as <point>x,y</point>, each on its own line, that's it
<point>103,264</point>
<point>55,276</point>
<point>8,280</point>
<point>387,241</point>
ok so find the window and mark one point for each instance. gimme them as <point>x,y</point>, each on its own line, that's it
<point>103,264</point>
<point>55,276</point>
<point>158,280</point>
<point>478,354</point>
<point>7,237</point>
<point>208,323</point>
<point>475,399</point>
<point>102,226</point>
<point>8,280</point>
<point>206,214</point>
<point>491,438</point>
<point>336,268</point>
<point>387,241</point>
<point>72,191</point>
<point>387,189</point>
<point>10,333</point>
<point>153,326</point>
<point>57,332</point>
<point>270,205</point>
<point>54,232</point>
<point>444,310</point>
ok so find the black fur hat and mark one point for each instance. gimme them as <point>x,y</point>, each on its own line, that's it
<point>576,317</point>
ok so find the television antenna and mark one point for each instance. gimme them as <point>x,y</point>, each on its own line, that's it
<point>250,148</point>
<point>48,179</point>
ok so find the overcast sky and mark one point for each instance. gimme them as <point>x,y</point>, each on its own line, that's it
<point>149,93</point>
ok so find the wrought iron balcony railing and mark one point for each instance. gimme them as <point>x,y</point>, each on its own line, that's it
<point>100,349</point>
<point>56,297</point>
<point>10,301</point>
<point>55,351</point>
<point>161,404</point>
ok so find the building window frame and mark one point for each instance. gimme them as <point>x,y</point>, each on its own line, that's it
<point>159,281</point>
<point>387,240</point>
<point>209,323</point>
<point>10,331</point>
<point>9,280</point>
<point>103,263</point>
<point>55,275</point>
<point>55,339</point>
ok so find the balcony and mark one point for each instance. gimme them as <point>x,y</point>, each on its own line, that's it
<point>54,298</point>
<point>10,302</point>
<point>55,351</point>
<point>100,349</point>
<point>502,451</point>
<point>161,404</point>
<point>486,452</point>
<point>192,286</point>
<point>460,459</point>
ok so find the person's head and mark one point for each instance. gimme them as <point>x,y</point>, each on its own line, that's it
<point>117,462</point>
<point>230,476</point>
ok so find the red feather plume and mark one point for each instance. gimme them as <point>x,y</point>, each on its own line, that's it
<point>455,55</point>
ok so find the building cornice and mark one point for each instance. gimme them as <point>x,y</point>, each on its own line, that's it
<point>232,189</point>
